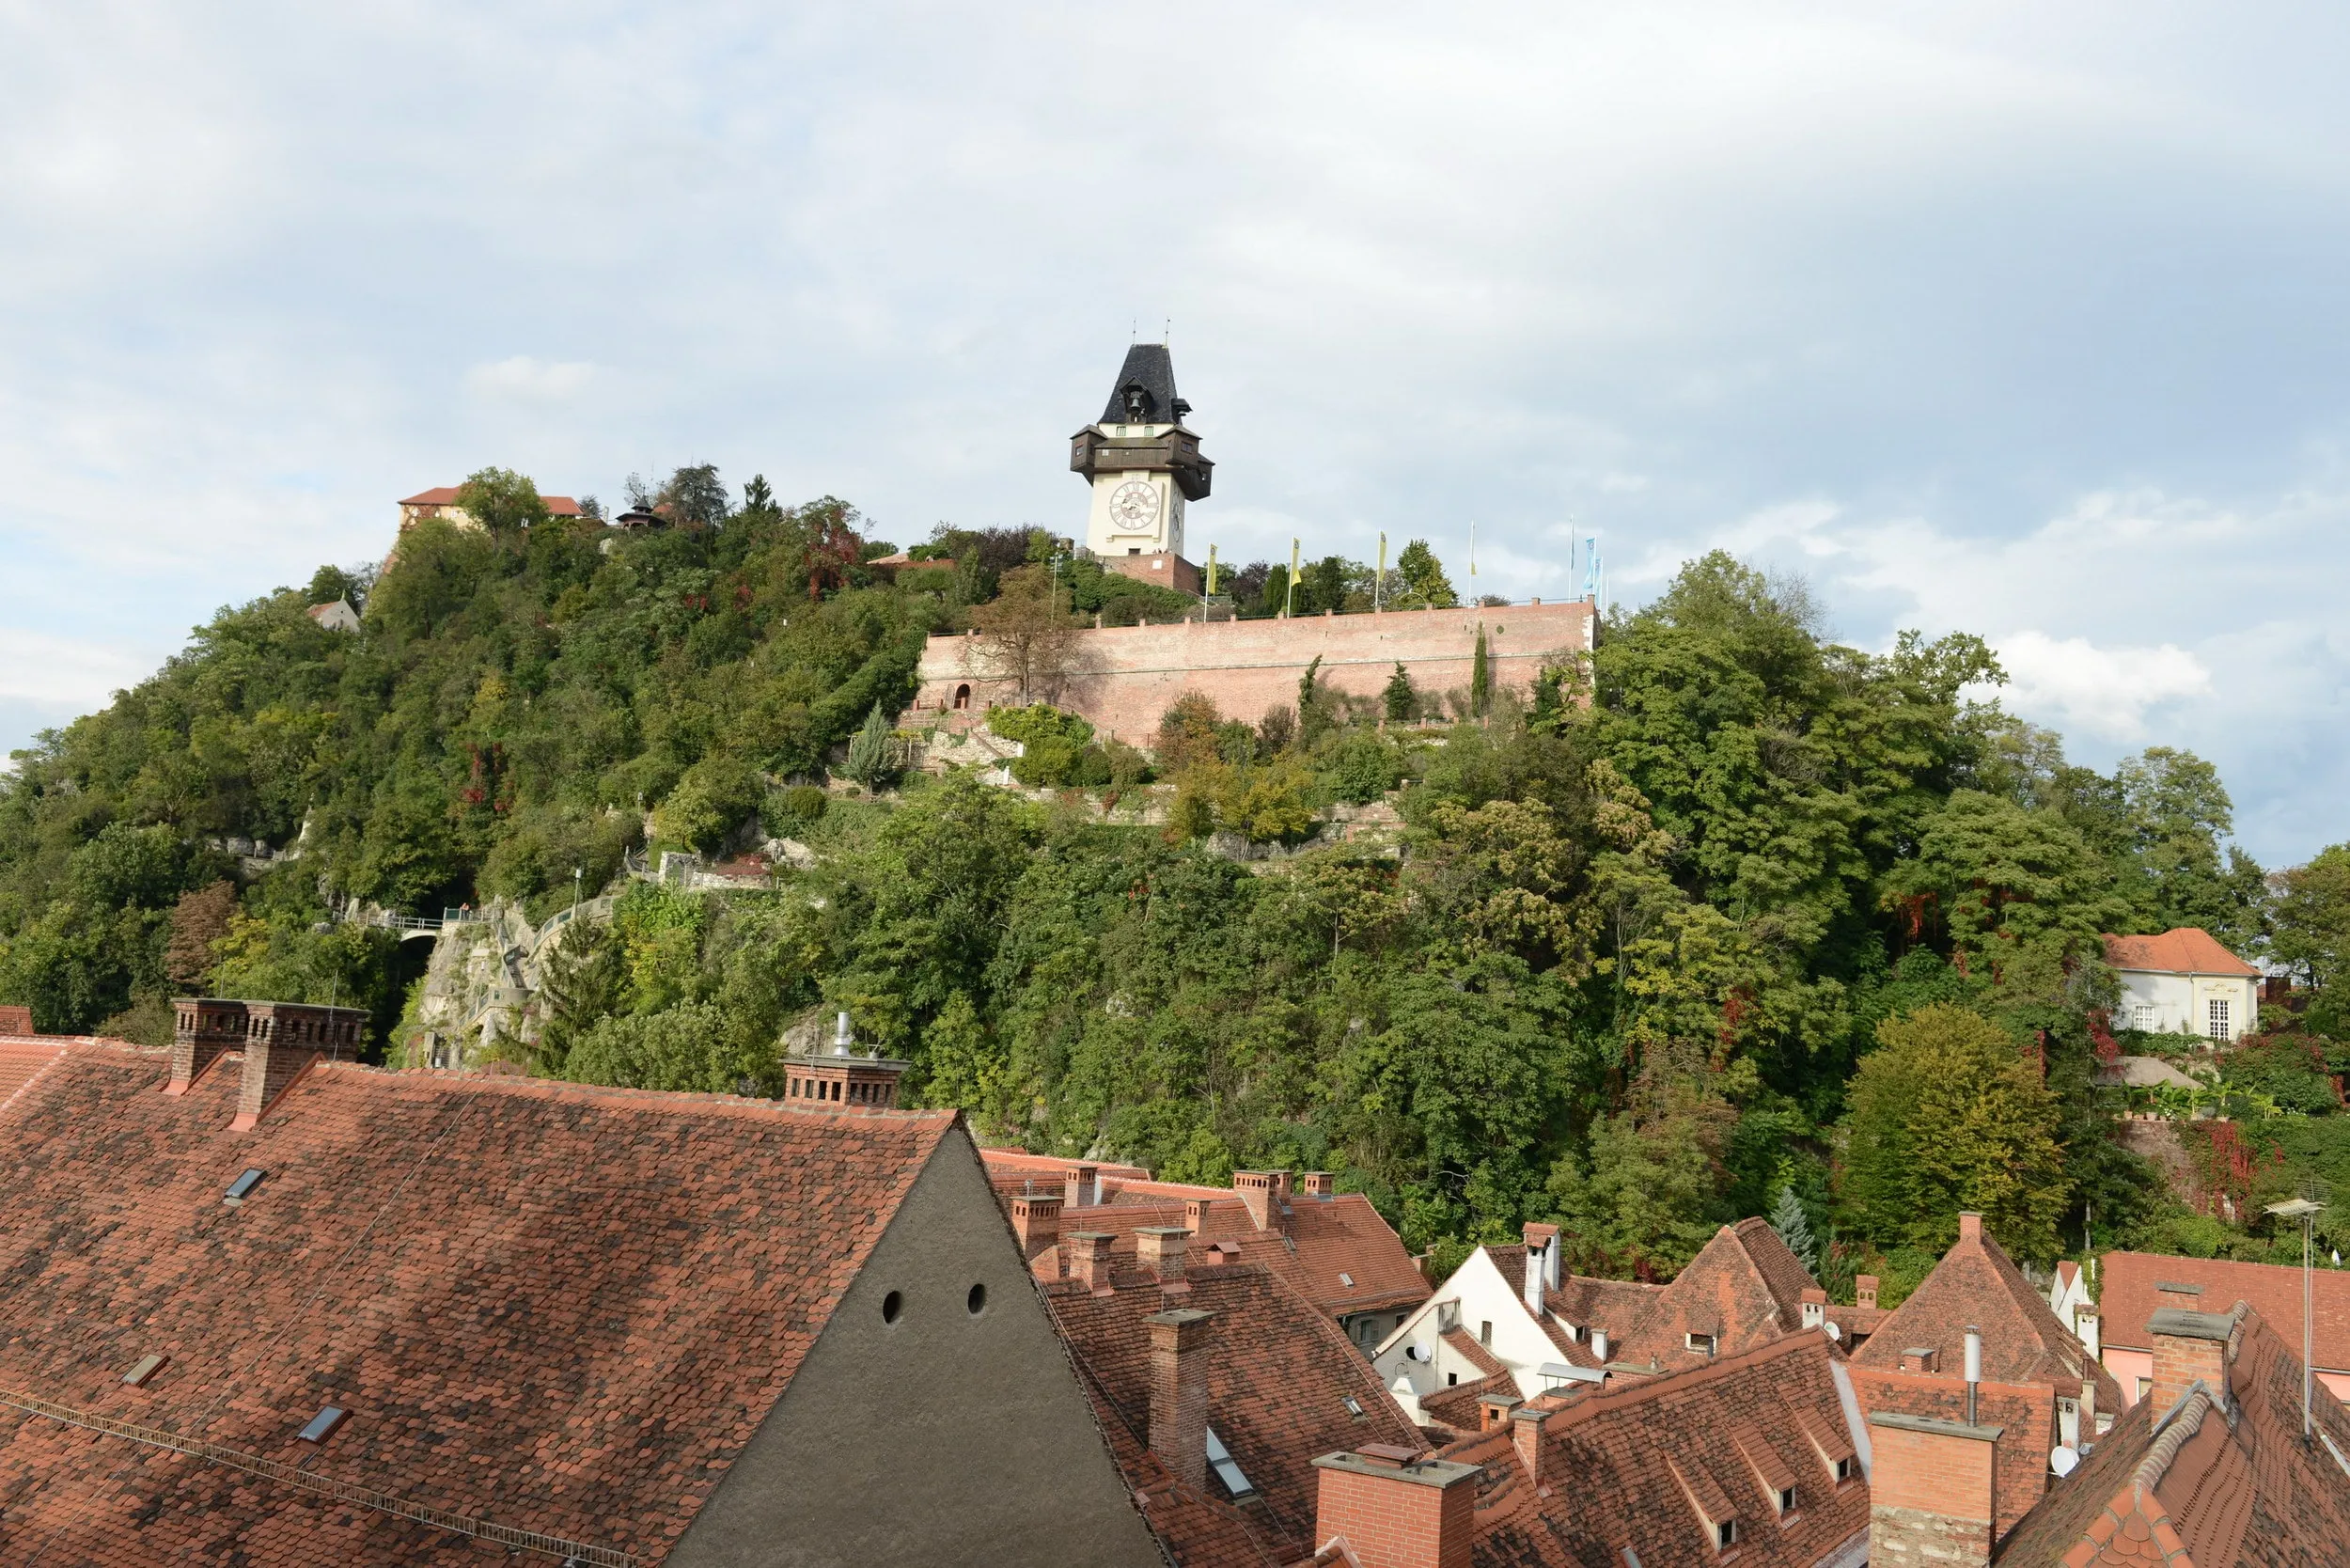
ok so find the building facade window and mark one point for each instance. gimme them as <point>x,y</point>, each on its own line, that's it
<point>2143,1017</point>
<point>2215,1019</point>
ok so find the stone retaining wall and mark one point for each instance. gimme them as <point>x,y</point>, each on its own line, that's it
<point>1124,677</point>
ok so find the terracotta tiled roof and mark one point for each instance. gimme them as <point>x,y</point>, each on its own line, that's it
<point>2126,1299</point>
<point>1977,1284</point>
<point>1337,1251</point>
<point>2201,1486</point>
<point>2182,951</point>
<point>1279,1376</point>
<point>1610,1305</point>
<point>22,1061</point>
<point>1743,1288</point>
<point>1620,1469</point>
<point>446,495</point>
<point>558,1308</point>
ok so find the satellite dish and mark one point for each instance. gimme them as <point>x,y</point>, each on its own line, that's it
<point>1417,1353</point>
<point>2063,1461</point>
<point>1834,1332</point>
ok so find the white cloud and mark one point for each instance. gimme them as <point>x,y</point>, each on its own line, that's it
<point>1977,318</point>
<point>2105,692</point>
<point>523,378</point>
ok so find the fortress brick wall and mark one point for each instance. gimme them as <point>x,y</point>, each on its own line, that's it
<point>1124,677</point>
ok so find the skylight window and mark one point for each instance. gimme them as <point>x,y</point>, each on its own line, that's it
<point>1353,1406</point>
<point>242,1188</point>
<point>143,1369</point>
<point>1347,1279</point>
<point>322,1425</point>
<point>1220,1461</point>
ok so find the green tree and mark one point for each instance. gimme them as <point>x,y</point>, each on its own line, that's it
<point>501,500</point>
<point>1949,1115</point>
<point>1421,578</point>
<point>1794,1227</point>
<point>1480,679</point>
<point>875,759</point>
<point>1398,698</point>
<point>2312,915</point>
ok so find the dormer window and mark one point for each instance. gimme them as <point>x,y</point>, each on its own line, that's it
<point>1726,1534</point>
<point>1703,1344</point>
<point>1785,1498</point>
<point>1843,1469</point>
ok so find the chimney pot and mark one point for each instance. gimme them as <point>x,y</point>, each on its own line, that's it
<point>1933,1492</point>
<point>1196,1214</point>
<point>1088,1256</point>
<point>1036,1216</point>
<point>1160,1249</point>
<point>2189,1347</point>
<point>1314,1184</point>
<point>1525,1431</point>
<point>1864,1290</point>
<point>1397,1510</point>
<point>1084,1188</point>
<point>1256,1190</point>
<point>1178,1392</point>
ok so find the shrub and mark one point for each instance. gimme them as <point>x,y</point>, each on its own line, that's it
<point>1364,768</point>
<point>793,810</point>
<point>714,797</point>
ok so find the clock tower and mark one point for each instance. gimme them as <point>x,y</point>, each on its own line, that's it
<point>1144,466</point>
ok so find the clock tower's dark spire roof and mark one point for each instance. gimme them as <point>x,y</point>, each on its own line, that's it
<point>1145,393</point>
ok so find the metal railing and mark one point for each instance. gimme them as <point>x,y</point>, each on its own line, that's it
<point>326,1486</point>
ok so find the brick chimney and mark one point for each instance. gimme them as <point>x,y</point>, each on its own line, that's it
<point>1178,1392</point>
<point>1864,1290</point>
<point>279,1046</point>
<point>1494,1410</point>
<point>1257,1189</point>
<point>1087,1254</point>
<point>2189,1347</point>
<point>1933,1492</point>
<point>1160,1249</point>
<point>1314,1184</point>
<point>2173,1292</point>
<point>1922,1359</point>
<point>1085,1186</point>
<point>1396,1510</point>
<point>1525,1431</point>
<point>1196,1214</point>
<point>1036,1218</point>
<point>203,1028</point>
<point>1969,1226</point>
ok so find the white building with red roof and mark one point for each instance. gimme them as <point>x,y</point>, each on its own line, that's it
<point>441,501</point>
<point>2184,982</point>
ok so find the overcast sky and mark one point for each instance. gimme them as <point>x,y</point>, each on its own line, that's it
<point>2024,320</point>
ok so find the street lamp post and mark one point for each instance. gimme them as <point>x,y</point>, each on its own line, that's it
<point>577,871</point>
<point>2305,1211</point>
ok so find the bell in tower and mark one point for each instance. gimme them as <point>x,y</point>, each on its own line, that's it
<point>1143,465</point>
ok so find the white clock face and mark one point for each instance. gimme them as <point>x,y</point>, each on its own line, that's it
<point>1134,504</point>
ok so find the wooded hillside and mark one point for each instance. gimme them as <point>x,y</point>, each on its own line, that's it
<point>1732,919</point>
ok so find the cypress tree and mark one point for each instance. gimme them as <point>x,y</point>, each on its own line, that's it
<point>1480,679</point>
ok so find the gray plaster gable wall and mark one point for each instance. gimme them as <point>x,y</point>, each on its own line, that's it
<point>940,1439</point>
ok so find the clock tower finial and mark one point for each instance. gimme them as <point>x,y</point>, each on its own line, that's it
<point>1144,464</point>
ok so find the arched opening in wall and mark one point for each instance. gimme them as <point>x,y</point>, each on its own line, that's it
<point>963,695</point>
